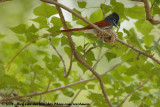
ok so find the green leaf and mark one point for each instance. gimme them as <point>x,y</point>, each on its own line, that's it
<point>56,60</point>
<point>33,29</point>
<point>30,36</point>
<point>57,84</point>
<point>132,38</point>
<point>41,52</point>
<point>56,23</point>
<point>100,43</point>
<point>90,56</point>
<point>82,4</point>
<point>25,70</point>
<point>148,39</point>
<point>106,8</point>
<point>157,1</point>
<point>156,9</point>
<point>28,57</point>
<point>75,17</point>
<point>100,102</point>
<point>20,29</point>
<point>56,41</point>
<point>110,56</point>
<point>68,93</point>
<point>42,21</point>
<point>135,96</point>
<point>156,47</point>
<point>129,56</point>
<point>83,68</point>
<point>2,36</point>
<point>118,7</point>
<point>148,101</point>
<point>129,89</point>
<point>45,10</point>
<point>136,12</point>
<point>90,86</point>
<point>52,63</point>
<point>119,49</point>
<point>42,42</point>
<point>64,41</point>
<point>67,50</point>
<point>144,26</point>
<point>80,22</point>
<point>96,16</point>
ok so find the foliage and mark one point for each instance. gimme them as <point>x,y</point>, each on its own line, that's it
<point>38,64</point>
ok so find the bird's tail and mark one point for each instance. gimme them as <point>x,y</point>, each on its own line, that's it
<point>71,30</point>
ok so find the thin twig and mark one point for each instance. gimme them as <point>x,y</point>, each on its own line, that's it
<point>152,6</point>
<point>132,92</point>
<point>85,53</point>
<point>60,56</point>
<point>103,12</point>
<point>70,66</point>
<point>138,56</point>
<point>48,85</point>
<point>59,88</point>
<point>138,50</point>
<point>75,97</point>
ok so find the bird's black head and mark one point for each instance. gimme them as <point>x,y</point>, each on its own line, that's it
<point>113,19</point>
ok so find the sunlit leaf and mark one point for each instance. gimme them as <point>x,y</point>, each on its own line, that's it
<point>20,29</point>
<point>144,26</point>
<point>45,10</point>
<point>136,12</point>
<point>42,21</point>
<point>82,4</point>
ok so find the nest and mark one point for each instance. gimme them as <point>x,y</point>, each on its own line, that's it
<point>106,35</point>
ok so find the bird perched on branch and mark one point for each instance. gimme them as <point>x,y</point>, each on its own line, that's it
<point>108,35</point>
<point>107,23</point>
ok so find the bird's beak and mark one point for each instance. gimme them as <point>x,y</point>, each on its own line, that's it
<point>116,25</point>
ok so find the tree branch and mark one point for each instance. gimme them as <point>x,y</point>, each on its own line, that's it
<point>148,12</point>
<point>60,56</point>
<point>133,92</point>
<point>59,88</point>
<point>138,50</point>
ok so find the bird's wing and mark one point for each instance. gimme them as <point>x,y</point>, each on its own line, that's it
<point>102,24</point>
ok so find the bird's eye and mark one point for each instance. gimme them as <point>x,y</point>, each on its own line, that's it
<point>114,20</point>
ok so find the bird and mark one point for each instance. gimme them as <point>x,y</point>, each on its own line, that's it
<point>108,35</point>
<point>107,23</point>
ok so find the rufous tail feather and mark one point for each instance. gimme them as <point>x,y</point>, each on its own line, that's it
<point>71,30</point>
